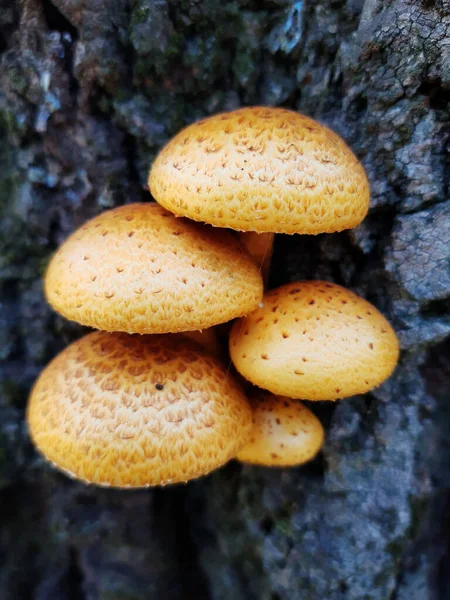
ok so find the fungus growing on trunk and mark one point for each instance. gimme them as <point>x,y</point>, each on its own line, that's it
<point>314,340</point>
<point>261,169</point>
<point>285,432</point>
<point>139,269</point>
<point>136,411</point>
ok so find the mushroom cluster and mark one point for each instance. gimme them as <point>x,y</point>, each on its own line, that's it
<point>150,398</point>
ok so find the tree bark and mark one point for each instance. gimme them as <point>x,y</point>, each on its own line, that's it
<point>89,92</point>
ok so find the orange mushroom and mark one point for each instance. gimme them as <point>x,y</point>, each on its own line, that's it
<point>285,433</point>
<point>261,169</point>
<point>314,340</point>
<point>139,269</point>
<point>136,411</point>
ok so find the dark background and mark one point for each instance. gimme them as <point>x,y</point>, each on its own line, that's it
<point>89,92</point>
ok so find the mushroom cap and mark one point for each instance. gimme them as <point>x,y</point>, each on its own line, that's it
<point>140,269</point>
<point>135,411</point>
<point>314,340</point>
<point>262,169</point>
<point>285,433</point>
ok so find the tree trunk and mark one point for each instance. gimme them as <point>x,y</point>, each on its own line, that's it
<point>89,92</point>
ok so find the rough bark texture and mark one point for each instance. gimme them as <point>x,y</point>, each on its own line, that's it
<point>89,91</point>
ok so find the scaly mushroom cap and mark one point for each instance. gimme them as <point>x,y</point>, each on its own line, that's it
<point>132,411</point>
<point>314,340</point>
<point>262,169</point>
<point>285,433</point>
<point>140,269</point>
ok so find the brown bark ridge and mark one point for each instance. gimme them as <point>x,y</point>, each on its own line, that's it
<point>89,92</point>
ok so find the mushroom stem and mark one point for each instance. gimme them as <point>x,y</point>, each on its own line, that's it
<point>260,248</point>
<point>209,339</point>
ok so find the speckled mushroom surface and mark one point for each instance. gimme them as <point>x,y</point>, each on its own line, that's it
<point>140,269</point>
<point>314,340</point>
<point>262,169</point>
<point>284,433</point>
<point>135,411</point>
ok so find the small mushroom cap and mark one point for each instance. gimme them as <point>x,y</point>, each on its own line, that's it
<point>136,411</point>
<point>262,169</point>
<point>285,433</point>
<point>314,340</point>
<point>140,269</point>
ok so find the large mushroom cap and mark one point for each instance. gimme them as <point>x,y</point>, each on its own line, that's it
<point>135,411</point>
<point>262,169</point>
<point>284,433</point>
<point>314,340</point>
<point>139,269</point>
